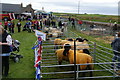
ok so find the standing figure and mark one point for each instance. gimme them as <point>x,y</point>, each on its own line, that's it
<point>41,24</point>
<point>116,47</point>
<point>73,23</point>
<point>5,25</point>
<point>19,26</point>
<point>5,44</point>
<point>10,26</point>
<point>60,24</point>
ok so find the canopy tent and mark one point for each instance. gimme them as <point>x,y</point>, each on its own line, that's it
<point>28,14</point>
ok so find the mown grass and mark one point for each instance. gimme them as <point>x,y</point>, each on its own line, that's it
<point>24,68</point>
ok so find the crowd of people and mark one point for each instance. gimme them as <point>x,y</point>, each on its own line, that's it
<point>31,24</point>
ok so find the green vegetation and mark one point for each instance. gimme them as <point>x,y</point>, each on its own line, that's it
<point>24,68</point>
<point>91,17</point>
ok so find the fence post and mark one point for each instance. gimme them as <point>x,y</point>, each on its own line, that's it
<point>94,52</point>
<point>74,59</point>
<point>114,70</point>
<point>77,72</point>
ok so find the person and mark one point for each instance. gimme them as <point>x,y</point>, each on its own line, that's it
<point>116,47</point>
<point>5,25</point>
<point>5,44</point>
<point>19,26</point>
<point>80,22</point>
<point>60,24</point>
<point>48,22</point>
<point>114,28</point>
<point>41,24</point>
<point>73,23</point>
<point>10,26</point>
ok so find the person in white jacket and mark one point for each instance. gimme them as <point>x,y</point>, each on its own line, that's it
<point>5,42</point>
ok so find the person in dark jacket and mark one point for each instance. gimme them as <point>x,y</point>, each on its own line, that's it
<point>5,45</point>
<point>73,23</point>
<point>10,26</point>
<point>6,25</point>
<point>41,25</point>
<point>60,24</point>
<point>116,50</point>
<point>13,25</point>
<point>19,26</point>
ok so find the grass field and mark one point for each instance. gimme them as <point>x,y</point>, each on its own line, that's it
<point>24,68</point>
<point>91,17</point>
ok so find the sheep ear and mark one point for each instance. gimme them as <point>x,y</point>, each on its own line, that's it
<point>86,51</point>
<point>86,39</point>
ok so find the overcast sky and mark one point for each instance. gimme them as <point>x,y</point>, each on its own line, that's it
<point>109,7</point>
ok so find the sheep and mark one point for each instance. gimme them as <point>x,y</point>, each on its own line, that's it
<point>59,41</point>
<point>79,45</point>
<point>54,32</point>
<point>60,56</point>
<point>81,58</point>
<point>68,55</point>
<point>84,51</point>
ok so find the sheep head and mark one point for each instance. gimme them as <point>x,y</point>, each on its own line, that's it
<point>86,51</point>
<point>67,47</point>
<point>79,39</point>
<point>85,40</point>
<point>70,39</point>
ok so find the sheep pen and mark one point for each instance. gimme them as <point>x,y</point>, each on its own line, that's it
<point>52,70</point>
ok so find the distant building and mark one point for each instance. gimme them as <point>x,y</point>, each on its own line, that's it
<point>17,9</point>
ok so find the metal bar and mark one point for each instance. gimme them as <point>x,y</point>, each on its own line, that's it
<point>62,45</point>
<point>102,58</point>
<point>77,72</point>
<point>48,53</point>
<point>49,62</point>
<point>94,52</point>
<point>59,72</point>
<point>81,64</point>
<point>96,77</point>
<point>59,79</point>
<point>108,48</point>
<point>75,60</point>
<point>49,57</point>
<point>104,51</point>
<point>104,68</point>
<point>103,55</point>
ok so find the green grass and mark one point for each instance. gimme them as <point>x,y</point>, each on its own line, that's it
<point>91,17</point>
<point>24,68</point>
